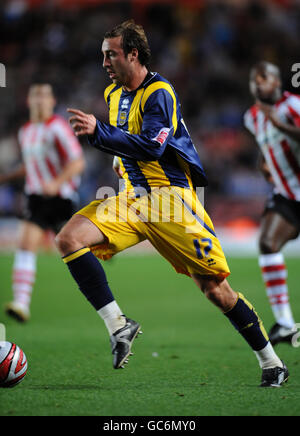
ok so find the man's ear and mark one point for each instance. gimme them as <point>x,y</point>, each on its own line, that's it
<point>134,54</point>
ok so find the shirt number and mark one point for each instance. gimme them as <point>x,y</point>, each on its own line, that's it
<point>206,247</point>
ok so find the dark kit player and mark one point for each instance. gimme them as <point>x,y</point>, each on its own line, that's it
<point>147,133</point>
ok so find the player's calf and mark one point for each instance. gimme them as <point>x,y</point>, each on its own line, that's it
<point>246,321</point>
<point>91,279</point>
<point>217,290</point>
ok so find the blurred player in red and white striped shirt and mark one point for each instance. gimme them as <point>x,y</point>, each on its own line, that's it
<point>52,164</point>
<point>274,120</point>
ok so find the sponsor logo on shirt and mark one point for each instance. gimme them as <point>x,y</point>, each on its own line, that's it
<point>162,135</point>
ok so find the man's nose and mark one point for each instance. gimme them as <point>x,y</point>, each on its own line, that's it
<point>106,62</point>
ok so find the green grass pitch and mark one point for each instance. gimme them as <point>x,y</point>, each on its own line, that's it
<point>188,362</point>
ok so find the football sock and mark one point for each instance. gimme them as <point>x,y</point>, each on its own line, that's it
<point>91,279</point>
<point>112,317</point>
<point>246,321</point>
<point>274,274</point>
<point>24,270</point>
<point>267,357</point>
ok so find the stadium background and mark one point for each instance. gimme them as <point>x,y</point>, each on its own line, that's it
<point>205,48</point>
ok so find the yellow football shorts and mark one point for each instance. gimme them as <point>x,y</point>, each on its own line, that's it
<point>171,218</point>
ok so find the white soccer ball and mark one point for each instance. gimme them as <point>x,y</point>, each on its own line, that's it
<point>13,364</point>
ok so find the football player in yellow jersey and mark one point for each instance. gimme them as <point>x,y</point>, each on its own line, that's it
<point>162,171</point>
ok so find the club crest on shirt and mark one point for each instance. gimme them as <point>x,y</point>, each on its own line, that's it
<point>122,118</point>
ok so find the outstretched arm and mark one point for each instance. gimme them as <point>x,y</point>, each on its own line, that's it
<point>159,124</point>
<point>116,141</point>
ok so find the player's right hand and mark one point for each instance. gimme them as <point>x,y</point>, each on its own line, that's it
<point>82,123</point>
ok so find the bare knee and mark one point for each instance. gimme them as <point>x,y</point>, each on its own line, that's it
<point>79,232</point>
<point>66,242</point>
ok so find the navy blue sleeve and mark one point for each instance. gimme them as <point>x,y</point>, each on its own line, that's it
<point>157,128</point>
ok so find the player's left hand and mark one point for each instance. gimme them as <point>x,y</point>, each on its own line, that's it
<point>82,123</point>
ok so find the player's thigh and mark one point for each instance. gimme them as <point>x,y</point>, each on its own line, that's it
<point>196,253</point>
<point>31,236</point>
<point>275,232</point>
<point>79,232</point>
<point>188,239</point>
<point>110,217</point>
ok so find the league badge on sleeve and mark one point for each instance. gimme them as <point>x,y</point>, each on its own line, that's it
<point>162,135</point>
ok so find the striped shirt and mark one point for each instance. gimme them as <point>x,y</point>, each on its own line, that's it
<point>281,151</point>
<point>147,133</point>
<point>47,148</point>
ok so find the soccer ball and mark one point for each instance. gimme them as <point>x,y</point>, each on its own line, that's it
<point>13,364</point>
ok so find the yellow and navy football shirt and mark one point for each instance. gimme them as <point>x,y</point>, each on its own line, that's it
<point>146,131</point>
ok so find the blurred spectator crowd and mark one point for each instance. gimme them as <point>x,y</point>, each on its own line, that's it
<point>205,49</point>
